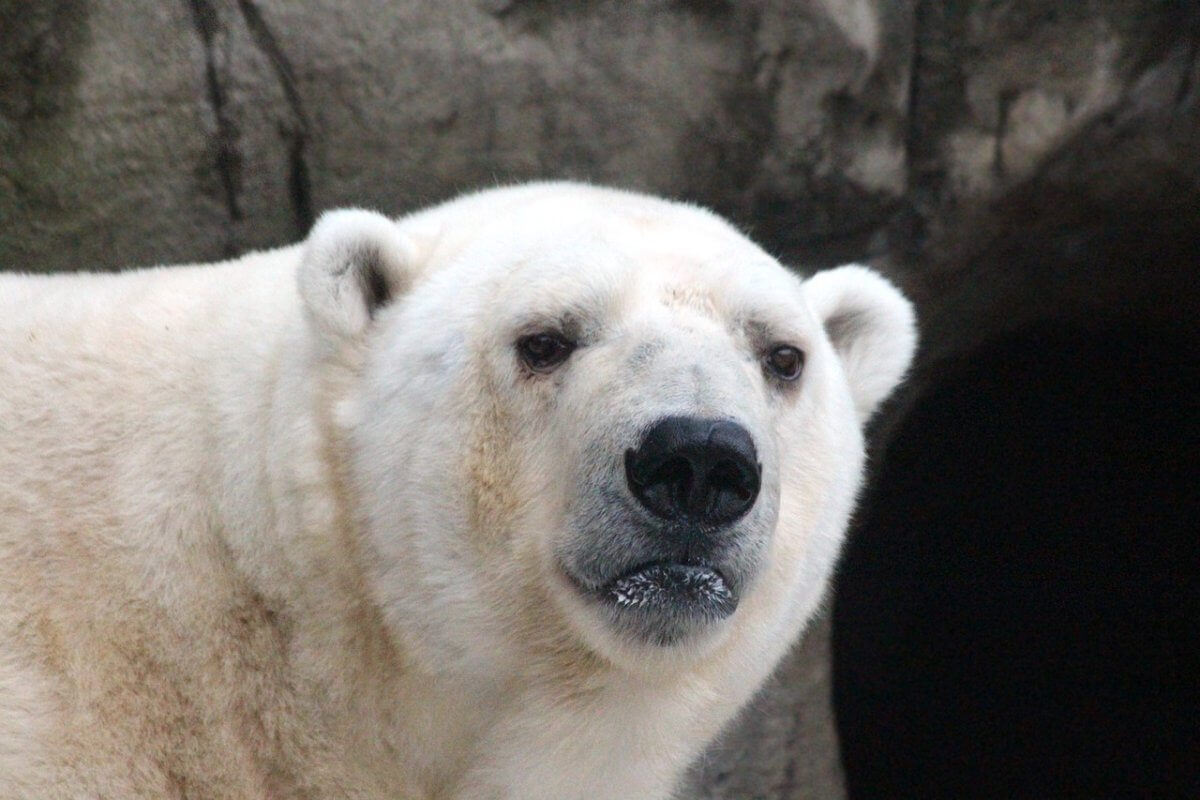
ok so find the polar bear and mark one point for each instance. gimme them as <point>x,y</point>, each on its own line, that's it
<point>522,496</point>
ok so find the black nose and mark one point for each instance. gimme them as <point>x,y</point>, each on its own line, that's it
<point>700,470</point>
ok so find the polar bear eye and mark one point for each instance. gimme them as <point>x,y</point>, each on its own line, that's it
<point>542,352</point>
<point>785,362</point>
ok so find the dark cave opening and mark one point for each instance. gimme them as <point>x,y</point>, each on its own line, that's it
<point>1018,613</point>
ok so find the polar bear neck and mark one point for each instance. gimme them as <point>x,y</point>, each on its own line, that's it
<point>195,490</point>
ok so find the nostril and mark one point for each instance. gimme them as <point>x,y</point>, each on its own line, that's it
<point>671,484</point>
<point>695,469</point>
<point>672,471</point>
<point>732,488</point>
<point>728,477</point>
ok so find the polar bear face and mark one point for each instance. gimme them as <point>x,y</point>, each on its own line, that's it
<point>580,421</point>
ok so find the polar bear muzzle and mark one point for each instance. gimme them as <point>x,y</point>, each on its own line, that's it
<point>699,476</point>
<point>676,543</point>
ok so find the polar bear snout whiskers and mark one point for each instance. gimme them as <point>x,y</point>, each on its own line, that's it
<point>697,470</point>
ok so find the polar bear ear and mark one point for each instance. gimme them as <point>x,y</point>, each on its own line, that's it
<point>354,263</point>
<point>872,327</point>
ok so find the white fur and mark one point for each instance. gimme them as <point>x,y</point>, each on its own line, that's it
<point>261,536</point>
<point>342,248</point>
<point>875,330</point>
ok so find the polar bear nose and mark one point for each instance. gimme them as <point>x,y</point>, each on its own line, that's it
<point>698,470</point>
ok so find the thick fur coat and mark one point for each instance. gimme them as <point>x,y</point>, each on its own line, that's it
<point>315,523</point>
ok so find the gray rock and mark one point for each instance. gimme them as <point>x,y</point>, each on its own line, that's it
<point>135,132</point>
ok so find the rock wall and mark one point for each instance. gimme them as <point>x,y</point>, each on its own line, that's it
<point>981,151</point>
<point>135,132</point>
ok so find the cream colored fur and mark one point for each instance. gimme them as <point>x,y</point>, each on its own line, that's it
<point>280,528</point>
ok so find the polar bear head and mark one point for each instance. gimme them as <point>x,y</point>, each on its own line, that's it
<point>585,424</point>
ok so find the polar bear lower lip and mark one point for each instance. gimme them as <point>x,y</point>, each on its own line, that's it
<point>674,587</point>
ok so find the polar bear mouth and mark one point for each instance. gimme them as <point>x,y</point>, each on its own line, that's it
<point>694,592</point>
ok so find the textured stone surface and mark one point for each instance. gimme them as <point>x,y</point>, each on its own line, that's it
<point>1006,161</point>
<point>135,132</point>
<point>1085,199</point>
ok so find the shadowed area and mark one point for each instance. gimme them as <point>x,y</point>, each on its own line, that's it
<point>1018,616</point>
